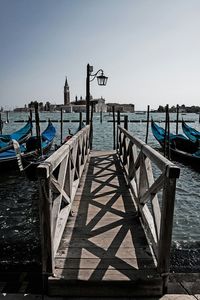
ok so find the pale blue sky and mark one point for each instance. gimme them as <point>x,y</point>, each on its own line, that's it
<point>149,49</point>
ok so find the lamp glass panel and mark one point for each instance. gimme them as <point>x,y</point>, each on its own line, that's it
<point>102,80</point>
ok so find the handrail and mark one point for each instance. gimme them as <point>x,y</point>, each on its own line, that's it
<point>157,215</point>
<point>59,177</point>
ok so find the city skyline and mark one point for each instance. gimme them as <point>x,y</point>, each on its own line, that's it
<point>148,49</point>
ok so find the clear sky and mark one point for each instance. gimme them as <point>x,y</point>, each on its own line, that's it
<point>149,49</point>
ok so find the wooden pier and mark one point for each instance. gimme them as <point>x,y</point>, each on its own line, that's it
<point>106,219</point>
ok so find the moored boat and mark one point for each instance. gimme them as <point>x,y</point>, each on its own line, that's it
<point>191,133</point>
<point>20,136</point>
<point>31,150</point>
<point>180,147</point>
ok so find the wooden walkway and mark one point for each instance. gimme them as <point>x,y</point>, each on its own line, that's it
<point>104,250</point>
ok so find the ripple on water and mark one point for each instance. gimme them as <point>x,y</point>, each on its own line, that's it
<point>185,256</point>
<point>19,224</point>
<point>187,206</point>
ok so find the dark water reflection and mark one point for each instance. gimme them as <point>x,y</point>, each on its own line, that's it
<point>19,222</point>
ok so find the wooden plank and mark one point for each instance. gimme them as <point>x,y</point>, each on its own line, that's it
<point>106,274</point>
<point>105,263</point>
<point>122,252</point>
<point>103,240</point>
<point>103,243</point>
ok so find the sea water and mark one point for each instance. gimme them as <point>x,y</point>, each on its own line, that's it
<point>19,224</point>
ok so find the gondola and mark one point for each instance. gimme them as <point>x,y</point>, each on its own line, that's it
<point>20,136</point>
<point>180,147</point>
<point>190,132</point>
<point>29,151</point>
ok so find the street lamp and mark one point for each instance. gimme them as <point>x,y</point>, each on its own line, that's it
<point>101,79</point>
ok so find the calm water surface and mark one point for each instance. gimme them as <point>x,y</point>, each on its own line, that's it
<point>19,210</point>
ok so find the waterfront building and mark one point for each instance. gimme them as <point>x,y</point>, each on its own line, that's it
<point>79,105</point>
<point>99,105</point>
<point>125,108</point>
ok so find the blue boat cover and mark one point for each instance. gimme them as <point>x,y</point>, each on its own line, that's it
<point>190,132</point>
<point>47,137</point>
<point>5,139</point>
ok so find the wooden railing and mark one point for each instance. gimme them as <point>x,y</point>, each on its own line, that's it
<point>154,195</point>
<point>59,177</point>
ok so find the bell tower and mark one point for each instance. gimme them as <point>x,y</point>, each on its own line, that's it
<point>66,93</point>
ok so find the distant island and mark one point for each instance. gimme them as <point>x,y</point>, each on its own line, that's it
<point>98,105</point>
<point>80,106</point>
<point>182,109</point>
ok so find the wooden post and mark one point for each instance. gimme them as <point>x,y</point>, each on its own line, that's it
<point>118,123</point>
<point>177,115</point>
<point>45,206</point>
<point>147,130</point>
<point>61,125</point>
<point>114,133</point>
<point>7,117</point>
<point>165,136</point>
<point>164,245</point>
<point>101,116</point>
<point>118,117</point>
<point>168,134</point>
<point>80,120</point>
<point>37,125</point>
<point>31,118</point>
<point>126,122</point>
<point>1,124</point>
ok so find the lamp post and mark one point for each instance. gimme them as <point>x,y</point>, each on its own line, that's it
<point>101,79</point>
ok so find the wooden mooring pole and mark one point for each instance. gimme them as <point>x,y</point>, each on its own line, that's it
<point>31,118</point>
<point>80,120</point>
<point>167,134</point>
<point>101,116</point>
<point>177,117</point>
<point>118,117</point>
<point>61,125</point>
<point>7,117</point>
<point>37,125</point>
<point>114,132</point>
<point>126,122</point>
<point>147,130</point>
<point>118,123</point>
<point>1,124</point>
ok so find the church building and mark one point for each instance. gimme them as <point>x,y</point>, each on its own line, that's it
<point>66,93</point>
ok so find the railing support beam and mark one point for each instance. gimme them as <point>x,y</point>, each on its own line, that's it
<point>137,158</point>
<point>61,174</point>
